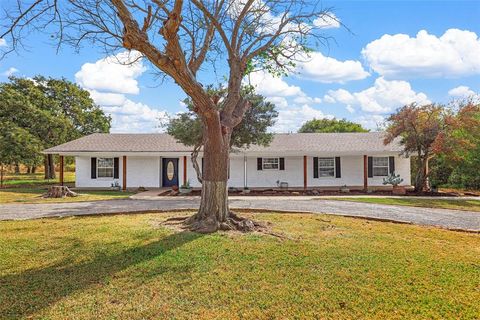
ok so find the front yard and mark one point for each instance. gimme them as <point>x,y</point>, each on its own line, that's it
<point>129,267</point>
<point>457,204</point>
<point>28,188</point>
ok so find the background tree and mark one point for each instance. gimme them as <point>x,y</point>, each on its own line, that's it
<point>331,125</point>
<point>188,129</point>
<point>54,111</point>
<point>178,37</point>
<point>432,130</point>
<point>17,145</point>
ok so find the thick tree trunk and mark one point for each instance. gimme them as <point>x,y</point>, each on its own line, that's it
<point>421,173</point>
<point>214,213</point>
<point>33,169</point>
<point>49,167</point>
<point>17,168</point>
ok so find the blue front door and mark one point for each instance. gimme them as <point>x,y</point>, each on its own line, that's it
<point>169,172</point>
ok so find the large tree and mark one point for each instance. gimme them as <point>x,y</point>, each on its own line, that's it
<point>178,37</point>
<point>331,125</point>
<point>187,127</point>
<point>431,130</point>
<point>52,110</point>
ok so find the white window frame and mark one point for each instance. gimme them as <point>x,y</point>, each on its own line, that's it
<point>330,167</point>
<point>270,158</point>
<point>377,166</point>
<point>112,167</point>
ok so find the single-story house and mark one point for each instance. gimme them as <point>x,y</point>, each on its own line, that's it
<point>301,160</point>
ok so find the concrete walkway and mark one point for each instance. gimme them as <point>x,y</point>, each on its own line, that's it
<point>451,219</point>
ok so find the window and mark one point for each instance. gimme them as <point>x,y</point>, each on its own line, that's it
<point>380,166</point>
<point>270,164</point>
<point>326,167</point>
<point>105,167</point>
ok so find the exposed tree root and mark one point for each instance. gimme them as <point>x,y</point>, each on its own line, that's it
<point>232,223</point>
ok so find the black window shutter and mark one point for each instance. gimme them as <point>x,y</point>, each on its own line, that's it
<point>315,167</point>
<point>370,167</point>
<point>259,164</point>
<point>93,168</point>
<point>338,169</point>
<point>115,168</point>
<point>202,165</point>
<point>391,164</point>
<point>282,163</point>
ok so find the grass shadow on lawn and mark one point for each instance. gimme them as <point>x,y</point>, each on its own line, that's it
<point>28,292</point>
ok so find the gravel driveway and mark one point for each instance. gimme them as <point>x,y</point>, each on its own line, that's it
<point>451,219</point>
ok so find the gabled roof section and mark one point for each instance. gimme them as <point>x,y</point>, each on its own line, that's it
<point>285,142</point>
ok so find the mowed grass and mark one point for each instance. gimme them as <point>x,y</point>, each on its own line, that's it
<point>25,180</point>
<point>129,267</point>
<point>460,204</point>
<point>34,195</point>
<point>29,188</point>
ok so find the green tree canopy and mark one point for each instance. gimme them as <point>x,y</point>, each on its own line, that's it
<point>435,130</point>
<point>331,125</point>
<point>51,111</point>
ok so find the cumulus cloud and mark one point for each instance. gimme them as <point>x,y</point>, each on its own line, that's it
<point>373,122</point>
<point>109,80</point>
<point>3,42</point>
<point>10,71</point>
<point>115,74</point>
<point>106,98</point>
<point>292,118</point>
<point>453,54</point>
<point>319,68</point>
<point>327,21</point>
<point>462,92</point>
<point>383,97</point>
<point>268,85</point>
<point>134,117</point>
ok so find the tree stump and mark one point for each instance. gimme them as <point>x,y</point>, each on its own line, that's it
<point>59,192</point>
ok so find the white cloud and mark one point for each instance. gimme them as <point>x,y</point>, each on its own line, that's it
<point>385,96</point>
<point>134,117</point>
<point>350,109</point>
<point>292,118</point>
<point>340,95</point>
<point>268,85</point>
<point>462,91</point>
<point>10,71</point>
<point>373,122</point>
<point>107,99</point>
<point>456,53</point>
<point>108,81</point>
<point>279,102</point>
<point>294,106</point>
<point>319,68</point>
<point>115,74</point>
<point>3,42</point>
<point>328,21</point>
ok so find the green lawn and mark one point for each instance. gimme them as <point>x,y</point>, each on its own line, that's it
<point>471,205</point>
<point>128,267</point>
<point>34,180</point>
<point>28,188</point>
<point>34,195</point>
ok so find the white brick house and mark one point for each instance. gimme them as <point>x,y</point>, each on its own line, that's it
<point>302,160</point>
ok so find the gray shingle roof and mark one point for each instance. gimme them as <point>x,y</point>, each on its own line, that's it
<point>287,142</point>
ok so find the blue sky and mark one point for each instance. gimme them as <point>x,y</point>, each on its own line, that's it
<point>396,52</point>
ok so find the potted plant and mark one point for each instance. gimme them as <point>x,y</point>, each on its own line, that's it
<point>395,180</point>
<point>246,190</point>
<point>185,188</point>
<point>344,189</point>
<point>115,185</point>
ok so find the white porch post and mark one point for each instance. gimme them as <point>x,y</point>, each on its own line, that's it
<point>244,171</point>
